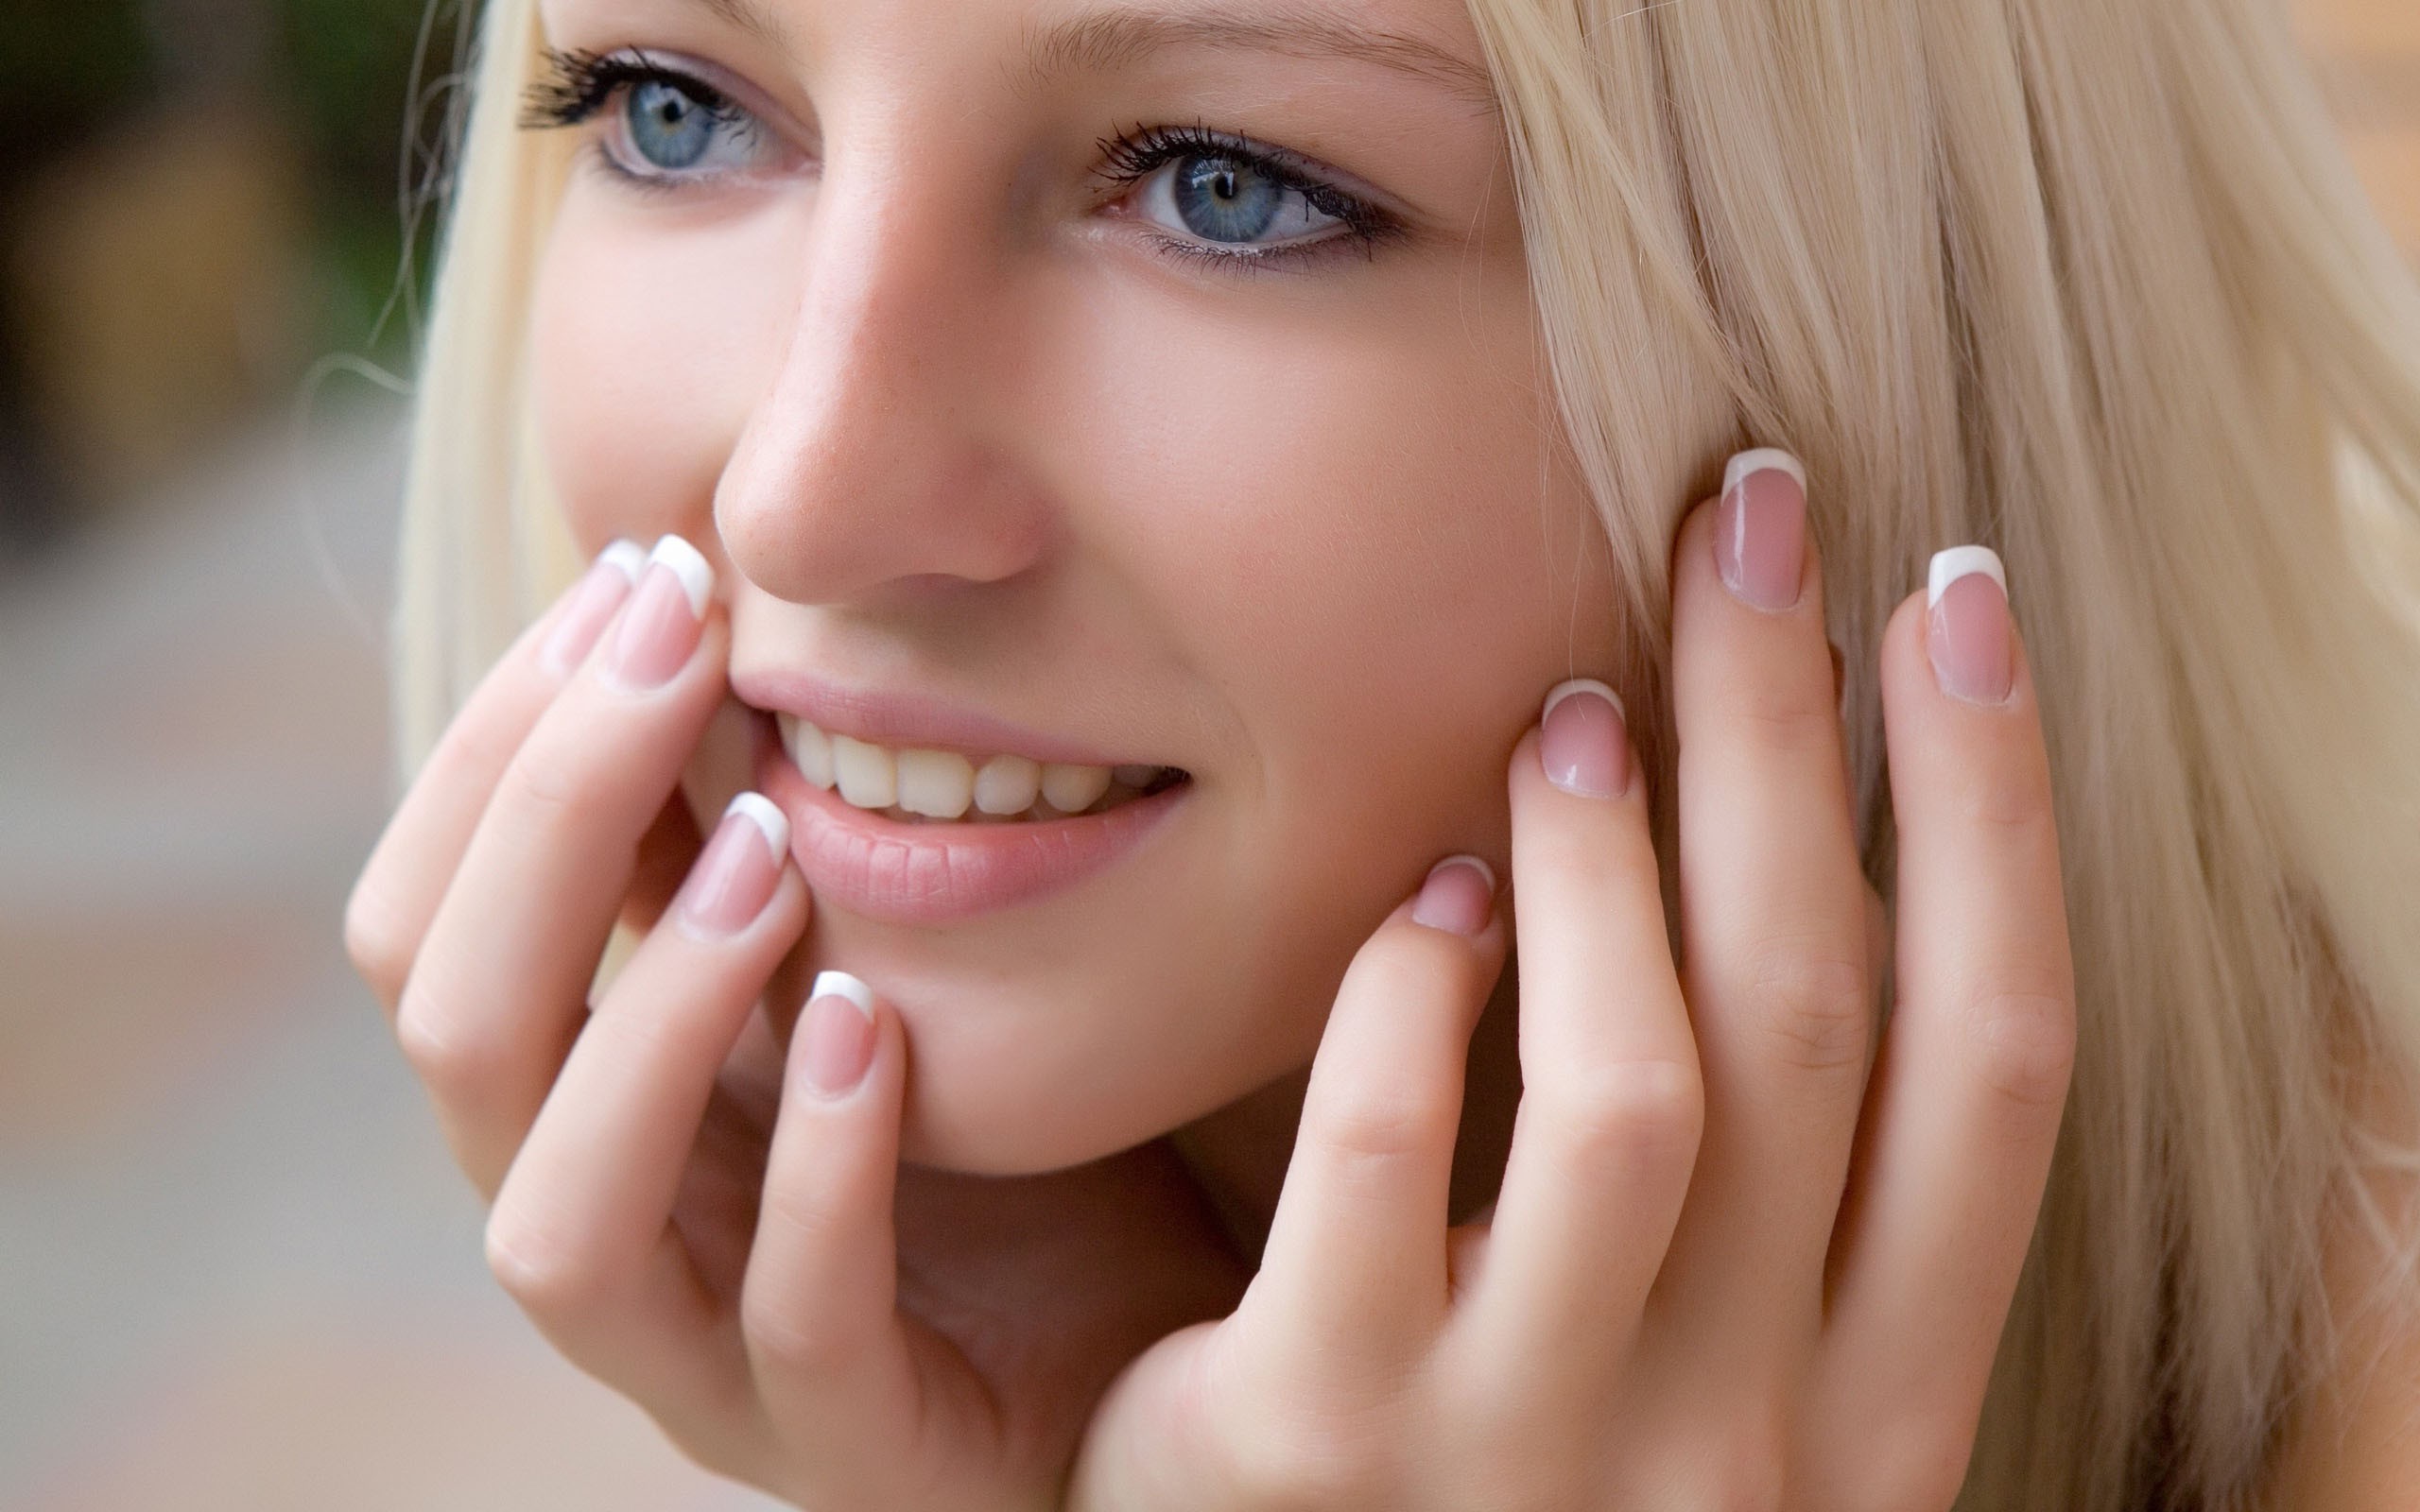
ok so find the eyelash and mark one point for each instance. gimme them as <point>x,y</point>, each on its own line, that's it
<point>579,84</point>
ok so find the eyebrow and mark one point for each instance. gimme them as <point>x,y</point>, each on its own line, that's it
<point>1104,40</point>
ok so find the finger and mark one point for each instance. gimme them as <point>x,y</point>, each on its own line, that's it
<point>1611,1104</point>
<point>827,1348</point>
<point>1774,927</point>
<point>501,984</point>
<point>1973,1072</point>
<point>400,886</point>
<point>666,852</point>
<point>581,1233</point>
<point>1354,1274</point>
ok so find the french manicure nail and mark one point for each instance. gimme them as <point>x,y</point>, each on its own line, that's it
<point>590,608</point>
<point>1582,742</point>
<point>836,1032</point>
<point>1967,625</point>
<point>662,624</point>
<point>1760,530</point>
<point>735,874</point>
<point>1457,897</point>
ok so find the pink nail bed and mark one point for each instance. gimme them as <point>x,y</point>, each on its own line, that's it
<point>591,605</point>
<point>1967,627</point>
<point>836,1033</point>
<point>1760,528</point>
<point>735,874</point>
<point>1581,742</point>
<point>661,625</point>
<point>1457,897</point>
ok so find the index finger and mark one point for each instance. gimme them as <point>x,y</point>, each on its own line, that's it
<point>401,884</point>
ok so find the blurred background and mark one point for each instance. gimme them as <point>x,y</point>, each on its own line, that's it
<point>237,1269</point>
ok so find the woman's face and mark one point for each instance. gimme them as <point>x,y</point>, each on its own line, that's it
<point>972,430</point>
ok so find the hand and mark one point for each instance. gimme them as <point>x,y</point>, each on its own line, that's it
<point>1724,1268</point>
<point>675,1205</point>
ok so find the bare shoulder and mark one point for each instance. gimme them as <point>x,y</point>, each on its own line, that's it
<point>2355,1445</point>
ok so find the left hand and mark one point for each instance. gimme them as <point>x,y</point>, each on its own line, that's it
<point>1727,1267</point>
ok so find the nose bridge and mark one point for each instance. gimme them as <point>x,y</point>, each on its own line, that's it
<point>864,459</point>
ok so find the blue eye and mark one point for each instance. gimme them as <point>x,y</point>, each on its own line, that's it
<point>1223,199</point>
<point>677,126</point>
<point>1239,207</point>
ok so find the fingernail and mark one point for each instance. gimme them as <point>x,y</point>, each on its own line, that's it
<point>1967,626</point>
<point>837,1033</point>
<point>1760,530</point>
<point>599,593</point>
<point>662,624</point>
<point>1583,743</point>
<point>1457,896</point>
<point>735,874</point>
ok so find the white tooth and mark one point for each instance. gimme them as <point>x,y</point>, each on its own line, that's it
<point>937,783</point>
<point>1134,776</point>
<point>1008,784</point>
<point>1072,789</point>
<point>810,751</point>
<point>868,778</point>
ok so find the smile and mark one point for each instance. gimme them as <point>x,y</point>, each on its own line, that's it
<point>916,835</point>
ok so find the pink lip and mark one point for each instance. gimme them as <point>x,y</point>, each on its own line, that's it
<point>897,719</point>
<point>896,873</point>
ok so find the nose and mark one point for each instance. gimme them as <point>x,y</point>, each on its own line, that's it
<point>876,464</point>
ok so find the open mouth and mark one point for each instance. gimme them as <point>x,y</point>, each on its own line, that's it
<point>916,785</point>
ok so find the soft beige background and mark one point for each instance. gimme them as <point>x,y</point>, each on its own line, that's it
<point>236,1270</point>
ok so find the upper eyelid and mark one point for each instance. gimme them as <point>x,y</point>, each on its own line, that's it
<point>733,88</point>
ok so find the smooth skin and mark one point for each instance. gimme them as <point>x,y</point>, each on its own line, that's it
<point>1742,1254</point>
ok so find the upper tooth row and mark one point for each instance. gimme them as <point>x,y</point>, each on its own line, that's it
<point>941,785</point>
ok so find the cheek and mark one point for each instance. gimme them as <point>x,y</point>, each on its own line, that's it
<point>1366,524</point>
<point>649,344</point>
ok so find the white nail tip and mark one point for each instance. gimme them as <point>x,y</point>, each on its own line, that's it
<point>841,984</point>
<point>690,566</point>
<point>624,557</point>
<point>1759,460</point>
<point>1480,863</point>
<point>1564,690</point>
<point>761,813</point>
<point>1958,562</point>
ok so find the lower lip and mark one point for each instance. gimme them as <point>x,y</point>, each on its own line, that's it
<point>879,868</point>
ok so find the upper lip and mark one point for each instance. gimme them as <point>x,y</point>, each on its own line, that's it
<point>912,720</point>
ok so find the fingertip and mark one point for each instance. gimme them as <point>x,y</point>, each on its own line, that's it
<point>834,1044</point>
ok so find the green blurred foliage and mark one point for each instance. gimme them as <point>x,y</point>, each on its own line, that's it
<point>339,79</point>
<point>348,69</point>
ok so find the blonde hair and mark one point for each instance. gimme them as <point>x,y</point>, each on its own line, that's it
<point>2090,283</point>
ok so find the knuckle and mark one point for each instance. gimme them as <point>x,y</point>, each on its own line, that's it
<point>544,791</point>
<point>1815,1009</point>
<point>2025,1045</point>
<point>1366,1120</point>
<point>549,1278</point>
<point>1304,1461</point>
<point>1624,1111</point>
<point>375,940</point>
<point>451,1062</point>
<point>1751,1472</point>
<point>2007,798</point>
<point>1791,722</point>
<point>786,1334</point>
<point>1918,1465</point>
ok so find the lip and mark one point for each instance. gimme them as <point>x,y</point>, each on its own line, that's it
<point>912,720</point>
<point>879,868</point>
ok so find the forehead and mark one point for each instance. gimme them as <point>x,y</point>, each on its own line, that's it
<point>1051,41</point>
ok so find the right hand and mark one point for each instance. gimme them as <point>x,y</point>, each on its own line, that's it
<point>675,1205</point>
